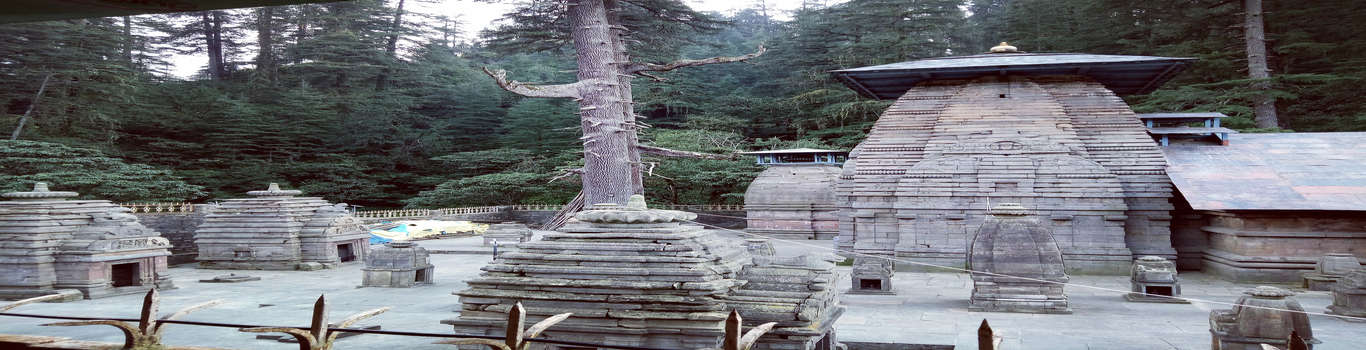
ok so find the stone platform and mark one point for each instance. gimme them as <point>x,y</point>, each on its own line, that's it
<point>930,308</point>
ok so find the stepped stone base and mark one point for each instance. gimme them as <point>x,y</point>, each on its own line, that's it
<point>68,295</point>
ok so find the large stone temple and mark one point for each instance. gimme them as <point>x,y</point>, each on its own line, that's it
<point>1047,131</point>
<point>794,198</point>
<point>51,244</point>
<point>275,230</point>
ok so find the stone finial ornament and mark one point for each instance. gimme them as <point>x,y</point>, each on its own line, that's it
<point>40,192</point>
<point>1264,315</point>
<point>1003,47</point>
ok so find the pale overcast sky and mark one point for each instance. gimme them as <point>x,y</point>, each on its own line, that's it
<point>475,16</point>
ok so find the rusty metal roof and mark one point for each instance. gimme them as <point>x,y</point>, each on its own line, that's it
<point>1292,171</point>
<point>1124,75</point>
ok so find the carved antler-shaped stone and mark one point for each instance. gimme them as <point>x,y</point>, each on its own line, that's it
<point>19,303</point>
<point>147,333</point>
<point>735,341</point>
<point>318,336</point>
<point>517,338</point>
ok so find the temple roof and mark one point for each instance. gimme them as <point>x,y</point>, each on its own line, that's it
<point>795,150</point>
<point>1292,171</point>
<point>1125,75</point>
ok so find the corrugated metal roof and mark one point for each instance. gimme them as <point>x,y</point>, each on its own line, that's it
<point>1124,75</point>
<point>795,150</point>
<point>1293,171</point>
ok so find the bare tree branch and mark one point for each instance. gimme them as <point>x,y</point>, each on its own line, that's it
<point>651,76</point>
<point>567,172</point>
<point>529,90</point>
<point>639,67</point>
<point>661,151</point>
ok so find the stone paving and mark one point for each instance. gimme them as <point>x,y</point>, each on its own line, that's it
<point>930,308</point>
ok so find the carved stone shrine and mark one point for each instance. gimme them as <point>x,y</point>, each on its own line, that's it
<point>1011,244</point>
<point>1153,280</point>
<point>1349,295</point>
<point>795,197</point>
<point>872,276</point>
<point>50,244</point>
<point>397,265</point>
<point>275,230</point>
<point>1329,269</point>
<point>634,276</point>
<point>1265,315</point>
<point>507,233</point>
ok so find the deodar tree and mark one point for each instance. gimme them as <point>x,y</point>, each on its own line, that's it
<point>612,168</point>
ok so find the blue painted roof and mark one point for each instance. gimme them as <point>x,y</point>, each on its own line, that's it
<point>1125,75</point>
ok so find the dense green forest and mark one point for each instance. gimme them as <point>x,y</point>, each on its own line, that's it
<point>367,103</point>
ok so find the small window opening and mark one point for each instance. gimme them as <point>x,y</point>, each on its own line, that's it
<point>870,284</point>
<point>1002,95</point>
<point>124,275</point>
<point>345,253</point>
<point>1159,290</point>
<point>422,276</point>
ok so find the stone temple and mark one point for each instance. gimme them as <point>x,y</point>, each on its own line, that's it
<point>50,244</point>
<point>274,230</point>
<point>795,197</point>
<point>1048,131</point>
<point>638,277</point>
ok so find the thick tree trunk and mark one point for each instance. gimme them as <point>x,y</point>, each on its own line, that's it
<point>128,41</point>
<point>623,58</point>
<point>1255,35</point>
<point>265,39</point>
<point>607,138</point>
<point>390,47</point>
<point>213,43</point>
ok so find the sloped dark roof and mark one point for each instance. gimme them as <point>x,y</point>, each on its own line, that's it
<point>1294,171</point>
<point>1125,75</point>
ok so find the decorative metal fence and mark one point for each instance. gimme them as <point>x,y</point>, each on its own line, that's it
<point>421,213</point>
<point>145,331</point>
<point>160,208</point>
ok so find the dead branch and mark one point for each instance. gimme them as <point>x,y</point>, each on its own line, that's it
<point>562,90</point>
<point>650,170</point>
<point>661,151</point>
<point>652,76</point>
<point>31,105</point>
<point>567,172</point>
<point>639,67</point>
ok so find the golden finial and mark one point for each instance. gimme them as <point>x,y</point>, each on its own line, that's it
<point>1004,48</point>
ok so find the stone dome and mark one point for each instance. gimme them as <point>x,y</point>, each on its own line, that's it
<point>1010,242</point>
<point>786,185</point>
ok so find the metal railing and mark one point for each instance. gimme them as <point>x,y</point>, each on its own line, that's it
<point>418,213</point>
<point>160,208</point>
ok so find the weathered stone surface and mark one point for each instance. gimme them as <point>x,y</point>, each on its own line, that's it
<point>1349,295</point>
<point>275,230</point>
<point>230,278</point>
<point>872,276</point>
<point>1329,269</point>
<point>1153,280</point>
<point>1012,244</point>
<point>49,244</point>
<point>632,276</point>
<point>793,201</point>
<point>1268,245</point>
<point>1265,315</point>
<point>507,233</point>
<point>397,265</point>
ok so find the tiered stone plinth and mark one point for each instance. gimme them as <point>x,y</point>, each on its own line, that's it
<point>507,233</point>
<point>1349,295</point>
<point>1329,268</point>
<point>795,292</point>
<point>397,265</point>
<point>638,277</point>
<point>793,201</point>
<point>1011,244</point>
<point>1265,315</point>
<point>275,230</point>
<point>49,244</point>
<point>1153,280</point>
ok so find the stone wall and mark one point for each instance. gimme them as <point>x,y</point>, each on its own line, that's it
<point>1267,246</point>
<point>179,229</point>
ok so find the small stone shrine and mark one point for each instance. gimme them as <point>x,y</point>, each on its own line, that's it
<point>1329,269</point>
<point>274,230</point>
<point>634,276</point>
<point>507,233</point>
<point>1349,295</point>
<point>872,276</point>
<point>1012,243</point>
<point>397,265</point>
<point>1265,315</point>
<point>795,197</point>
<point>1153,280</point>
<point>50,244</point>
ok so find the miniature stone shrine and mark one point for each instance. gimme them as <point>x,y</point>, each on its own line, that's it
<point>507,233</point>
<point>1265,315</point>
<point>274,230</point>
<point>1153,280</point>
<point>1011,243</point>
<point>795,197</point>
<point>640,277</point>
<point>759,247</point>
<point>397,265</point>
<point>1048,131</point>
<point>872,276</point>
<point>1329,269</point>
<point>1349,295</point>
<point>53,245</point>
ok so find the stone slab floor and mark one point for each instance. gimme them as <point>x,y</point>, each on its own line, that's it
<point>930,308</point>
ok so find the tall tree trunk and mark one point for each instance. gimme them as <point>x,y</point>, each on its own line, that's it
<point>265,40</point>
<point>128,41</point>
<point>1255,35</point>
<point>31,106</point>
<point>623,58</point>
<point>300,32</point>
<point>607,176</point>
<point>212,43</point>
<point>391,47</point>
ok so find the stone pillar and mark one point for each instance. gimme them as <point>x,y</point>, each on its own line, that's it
<point>1265,315</point>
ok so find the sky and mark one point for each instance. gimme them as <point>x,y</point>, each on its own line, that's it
<point>477,15</point>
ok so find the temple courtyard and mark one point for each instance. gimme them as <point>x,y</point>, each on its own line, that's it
<point>928,308</point>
